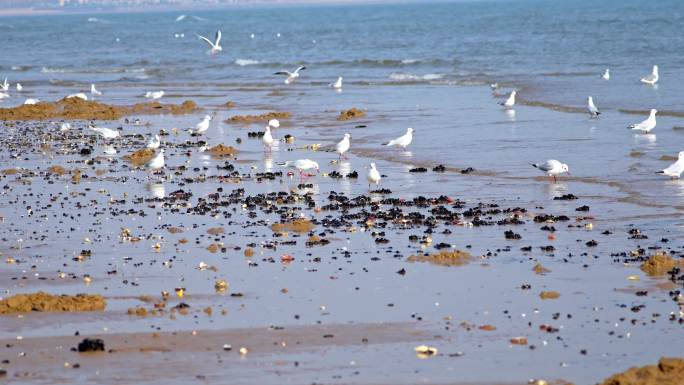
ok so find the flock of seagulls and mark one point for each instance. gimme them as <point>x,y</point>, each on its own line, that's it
<point>553,167</point>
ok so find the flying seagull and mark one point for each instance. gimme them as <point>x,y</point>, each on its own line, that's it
<point>216,45</point>
<point>291,76</point>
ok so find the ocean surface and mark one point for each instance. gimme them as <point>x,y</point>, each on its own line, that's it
<point>426,66</point>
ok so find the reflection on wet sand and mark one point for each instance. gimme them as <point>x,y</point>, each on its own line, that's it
<point>156,190</point>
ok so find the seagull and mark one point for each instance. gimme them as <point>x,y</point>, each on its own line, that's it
<point>510,102</point>
<point>19,87</point>
<point>606,75</point>
<point>651,79</point>
<point>291,76</point>
<point>5,86</point>
<point>676,168</point>
<point>274,123</point>
<point>301,165</point>
<point>31,101</point>
<point>106,133</point>
<point>216,45</point>
<point>647,125</point>
<point>593,111</point>
<point>154,95</point>
<point>338,84</point>
<point>79,95</point>
<point>402,141</point>
<point>494,86</point>
<point>94,91</point>
<point>552,168</point>
<point>202,126</point>
<point>343,145</point>
<point>157,162</point>
<point>64,127</point>
<point>267,139</point>
<point>154,142</point>
<point>373,176</point>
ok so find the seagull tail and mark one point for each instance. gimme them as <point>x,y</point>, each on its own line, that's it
<point>660,172</point>
<point>283,164</point>
<point>535,165</point>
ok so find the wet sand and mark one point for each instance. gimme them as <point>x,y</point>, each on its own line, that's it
<point>136,235</point>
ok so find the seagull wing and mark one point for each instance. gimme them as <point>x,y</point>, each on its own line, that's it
<point>218,38</point>
<point>299,69</point>
<point>286,73</point>
<point>207,40</point>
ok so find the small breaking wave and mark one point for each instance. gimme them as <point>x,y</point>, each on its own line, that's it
<point>400,76</point>
<point>246,62</point>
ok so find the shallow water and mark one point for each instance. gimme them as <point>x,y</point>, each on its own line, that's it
<point>458,125</point>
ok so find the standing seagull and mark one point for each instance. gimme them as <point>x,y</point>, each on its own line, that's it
<point>593,111</point>
<point>343,145</point>
<point>106,133</point>
<point>676,168</point>
<point>510,102</point>
<point>651,79</point>
<point>338,84</point>
<point>373,176</point>
<point>552,168</point>
<point>402,141</point>
<point>19,87</point>
<point>267,139</point>
<point>301,165</point>
<point>216,45</point>
<point>291,76</point>
<point>154,142</point>
<point>156,163</point>
<point>154,94</point>
<point>202,127</point>
<point>94,91</point>
<point>647,125</point>
<point>606,75</point>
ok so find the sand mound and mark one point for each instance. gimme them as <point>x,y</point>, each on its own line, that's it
<point>352,113</point>
<point>669,371</point>
<point>259,118</point>
<point>444,258</point>
<point>140,157</point>
<point>659,264</point>
<point>76,108</point>
<point>298,226</point>
<point>221,150</point>
<point>44,302</point>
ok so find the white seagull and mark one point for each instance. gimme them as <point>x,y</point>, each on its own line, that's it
<point>215,45</point>
<point>154,94</point>
<point>31,101</point>
<point>402,141</point>
<point>593,111</point>
<point>94,91</point>
<point>606,75</point>
<point>267,139</point>
<point>19,87</point>
<point>274,123</point>
<point>63,127</point>
<point>5,86</point>
<point>676,168</point>
<point>291,76</point>
<point>202,126</point>
<point>510,102</point>
<point>338,84</point>
<point>651,79</point>
<point>301,165</point>
<point>105,132</point>
<point>647,125</point>
<point>79,95</point>
<point>373,176</point>
<point>154,142</point>
<point>343,145</point>
<point>552,168</point>
<point>157,162</point>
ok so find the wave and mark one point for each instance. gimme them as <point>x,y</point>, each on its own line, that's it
<point>73,70</point>
<point>399,76</point>
<point>246,62</point>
